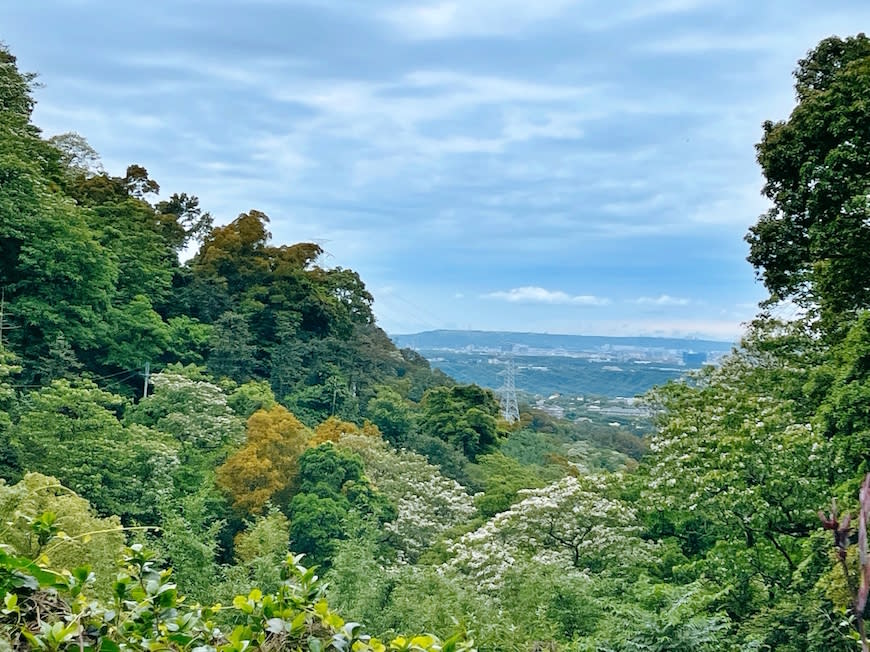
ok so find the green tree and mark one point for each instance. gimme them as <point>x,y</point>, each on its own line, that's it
<point>187,340</point>
<point>464,416</point>
<point>814,244</point>
<point>250,397</point>
<point>57,277</point>
<point>137,334</point>
<point>59,362</point>
<point>843,417</point>
<point>259,550</point>
<point>392,415</point>
<point>72,432</point>
<point>736,476</point>
<point>317,522</point>
<point>502,478</point>
<point>77,155</point>
<point>15,87</point>
<point>9,465</point>
<point>232,351</point>
<point>181,221</point>
<point>330,486</point>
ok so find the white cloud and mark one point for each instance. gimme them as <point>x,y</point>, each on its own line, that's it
<point>662,300</point>
<point>534,294</point>
<point>454,19</point>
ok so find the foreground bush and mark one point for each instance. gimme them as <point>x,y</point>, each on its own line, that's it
<point>53,611</point>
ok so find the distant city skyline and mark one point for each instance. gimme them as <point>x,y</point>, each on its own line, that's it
<point>550,166</point>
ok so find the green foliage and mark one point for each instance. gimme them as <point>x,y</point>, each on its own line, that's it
<point>250,397</point>
<point>429,505</point>
<point>813,244</point>
<point>844,382</point>
<point>327,470</point>
<point>392,415</point>
<point>735,477</point>
<point>187,340</point>
<point>667,617</point>
<point>193,410</point>
<point>56,276</point>
<point>15,87</point>
<point>464,416</point>
<point>448,459</point>
<point>317,521</point>
<point>267,536</point>
<point>232,353</point>
<point>502,478</point>
<point>330,485</point>
<point>138,334</point>
<point>43,519</point>
<point>147,613</point>
<point>259,552</point>
<point>72,432</point>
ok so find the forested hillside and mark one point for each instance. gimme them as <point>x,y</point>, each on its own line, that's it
<point>210,416</point>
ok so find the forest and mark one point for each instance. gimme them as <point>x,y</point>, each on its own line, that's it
<point>226,453</point>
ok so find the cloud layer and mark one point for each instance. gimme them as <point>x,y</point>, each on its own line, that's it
<point>447,148</point>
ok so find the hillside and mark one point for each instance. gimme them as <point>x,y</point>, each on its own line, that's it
<point>496,340</point>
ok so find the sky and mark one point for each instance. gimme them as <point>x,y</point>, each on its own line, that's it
<point>562,166</point>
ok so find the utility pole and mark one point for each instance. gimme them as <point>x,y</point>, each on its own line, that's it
<point>510,410</point>
<point>147,376</point>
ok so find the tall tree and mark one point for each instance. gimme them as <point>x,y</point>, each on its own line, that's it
<point>814,244</point>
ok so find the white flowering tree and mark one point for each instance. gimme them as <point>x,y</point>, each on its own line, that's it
<point>570,523</point>
<point>195,413</point>
<point>428,503</point>
<point>187,406</point>
<point>736,470</point>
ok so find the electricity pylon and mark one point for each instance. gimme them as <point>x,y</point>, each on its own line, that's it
<point>510,410</point>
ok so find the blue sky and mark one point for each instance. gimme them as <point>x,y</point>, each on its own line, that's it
<point>536,165</point>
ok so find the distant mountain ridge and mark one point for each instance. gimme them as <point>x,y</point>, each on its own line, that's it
<point>459,339</point>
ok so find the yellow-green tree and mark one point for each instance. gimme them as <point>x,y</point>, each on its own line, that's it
<point>333,429</point>
<point>40,518</point>
<point>264,468</point>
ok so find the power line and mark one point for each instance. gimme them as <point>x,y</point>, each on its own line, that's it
<point>118,373</point>
<point>124,379</point>
<point>130,373</point>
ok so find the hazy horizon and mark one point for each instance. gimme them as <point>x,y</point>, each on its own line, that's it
<point>596,335</point>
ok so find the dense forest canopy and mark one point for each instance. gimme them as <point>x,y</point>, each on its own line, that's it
<point>212,415</point>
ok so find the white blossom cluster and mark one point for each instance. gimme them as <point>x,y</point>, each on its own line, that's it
<point>194,411</point>
<point>428,503</point>
<point>569,522</point>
